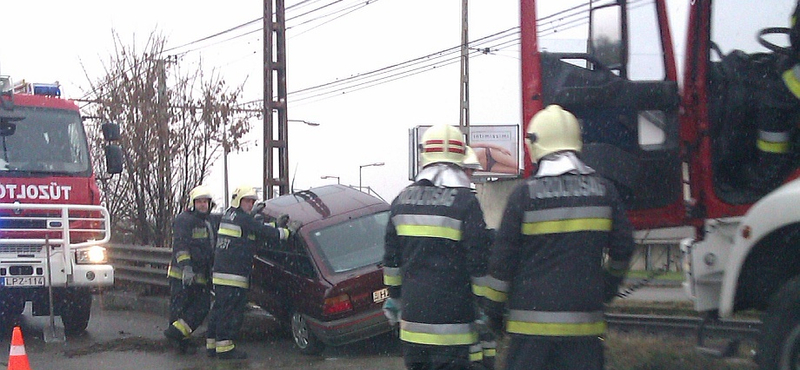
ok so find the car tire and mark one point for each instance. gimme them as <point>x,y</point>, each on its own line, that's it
<point>76,311</point>
<point>304,339</point>
<point>779,347</point>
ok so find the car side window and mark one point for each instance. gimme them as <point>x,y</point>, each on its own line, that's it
<point>292,255</point>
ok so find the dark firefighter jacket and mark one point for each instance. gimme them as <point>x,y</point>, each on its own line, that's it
<point>192,245</point>
<point>546,264</point>
<point>239,236</point>
<point>435,247</point>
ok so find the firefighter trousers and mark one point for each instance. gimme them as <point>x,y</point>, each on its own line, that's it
<point>550,353</point>
<point>188,303</point>
<point>227,316</point>
<point>427,357</point>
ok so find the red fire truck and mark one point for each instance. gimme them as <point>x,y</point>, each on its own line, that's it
<point>52,226</point>
<point>719,153</point>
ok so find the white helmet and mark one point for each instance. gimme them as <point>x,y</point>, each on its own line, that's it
<point>442,143</point>
<point>471,160</point>
<point>199,192</point>
<point>551,130</point>
<point>242,192</point>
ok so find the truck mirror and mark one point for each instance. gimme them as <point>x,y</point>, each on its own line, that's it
<point>7,128</point>
<point>110,131</point>
<point>605,36</point>
<point>113,159</point>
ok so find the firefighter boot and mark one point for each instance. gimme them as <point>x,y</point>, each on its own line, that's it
<point>234,354</point>
<point>187,346</point>
<point>175,338</point>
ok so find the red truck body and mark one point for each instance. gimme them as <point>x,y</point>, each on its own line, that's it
<point>52,226</point>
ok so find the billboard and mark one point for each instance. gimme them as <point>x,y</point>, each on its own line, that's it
<point>497,148</point>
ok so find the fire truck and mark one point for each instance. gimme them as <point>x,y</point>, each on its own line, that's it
<point>718,152</point>
<point>52,226</point>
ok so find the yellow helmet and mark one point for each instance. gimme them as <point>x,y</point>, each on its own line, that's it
<point>551,130</point>
<point>199,192</point>
<point>242,192</point>
<point>471,160</point>
<point>442,143</point>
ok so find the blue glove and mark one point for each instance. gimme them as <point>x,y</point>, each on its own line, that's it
<point>392,310</point>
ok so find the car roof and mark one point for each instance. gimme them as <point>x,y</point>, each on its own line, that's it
<point>322,202</point>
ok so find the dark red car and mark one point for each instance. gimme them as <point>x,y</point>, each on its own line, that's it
<point>326,281</point>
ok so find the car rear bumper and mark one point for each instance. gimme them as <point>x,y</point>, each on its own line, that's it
<point>350,329</point>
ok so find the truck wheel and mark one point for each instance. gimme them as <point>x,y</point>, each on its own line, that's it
<point>304,339</point>
<point>779,345</point>
<point>11,307</point>
<point>76,310</point>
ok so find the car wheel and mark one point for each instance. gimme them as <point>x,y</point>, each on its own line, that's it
<point>779,347</point>
<point>304,339</point>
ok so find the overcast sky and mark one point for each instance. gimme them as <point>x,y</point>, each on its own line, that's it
<point>65,40</point>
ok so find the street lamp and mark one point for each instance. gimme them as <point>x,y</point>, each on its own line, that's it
<point>366,165</point>
<point>331,177</point>
<point>304,121</point>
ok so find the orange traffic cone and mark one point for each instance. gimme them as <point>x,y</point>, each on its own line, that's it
<point>17,358</point>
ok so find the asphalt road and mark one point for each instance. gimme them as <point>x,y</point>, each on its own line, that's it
<point>128,335</point>
<point>122,340</point>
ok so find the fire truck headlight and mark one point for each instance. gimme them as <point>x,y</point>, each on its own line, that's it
<point>91,255</point>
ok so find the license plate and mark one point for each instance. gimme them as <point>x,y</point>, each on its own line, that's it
<point>23,281</point>
<point>380,295</point>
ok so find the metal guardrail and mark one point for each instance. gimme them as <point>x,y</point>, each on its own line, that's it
<point>140,264</point>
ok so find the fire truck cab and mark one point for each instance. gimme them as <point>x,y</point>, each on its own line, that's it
<point>53,227</point>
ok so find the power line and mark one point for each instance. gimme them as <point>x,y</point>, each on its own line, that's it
<point>357,5</point>
<point>234,28</point>
<point>294,7</point>
<point>559,21</point>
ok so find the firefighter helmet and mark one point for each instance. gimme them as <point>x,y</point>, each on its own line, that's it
<point>243,192</point>
<point>471,160</point>
<point>442,143</point>
<point>199,192</point>
<point>551,130</point>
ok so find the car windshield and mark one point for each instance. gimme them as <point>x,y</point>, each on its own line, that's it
<point>45,140</point>
<point>354,243</point>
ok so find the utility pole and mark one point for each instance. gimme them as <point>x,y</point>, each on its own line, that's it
<point>164,161</point>
<point>275,75</point>
<point>464,109</point>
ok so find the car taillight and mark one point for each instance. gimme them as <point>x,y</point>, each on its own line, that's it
<point>340,303</point>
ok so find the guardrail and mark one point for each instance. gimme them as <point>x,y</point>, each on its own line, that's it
<point>144,265</point>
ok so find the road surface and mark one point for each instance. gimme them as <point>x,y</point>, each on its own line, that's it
<point>133,340</point>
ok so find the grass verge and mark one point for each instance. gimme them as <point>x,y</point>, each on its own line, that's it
<point>636,351</point>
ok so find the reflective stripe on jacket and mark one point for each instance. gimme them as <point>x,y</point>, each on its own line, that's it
<point>239,236</point>
<point>436,245</point>
<point>193,241</point>
<point>546,268</point>
<point>562,324</point>
<point>438,334</point>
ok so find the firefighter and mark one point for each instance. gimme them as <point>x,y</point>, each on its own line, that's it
<point>189,271</point>
<point>759,151</point>
<point>239,235</point>
<point>546,272</point>
<point>434,250</point>
<point>487,339</point>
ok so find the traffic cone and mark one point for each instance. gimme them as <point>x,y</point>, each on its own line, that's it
<point>17,358</point>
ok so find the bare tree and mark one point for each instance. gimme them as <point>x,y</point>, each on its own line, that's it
<point>172,131</point>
